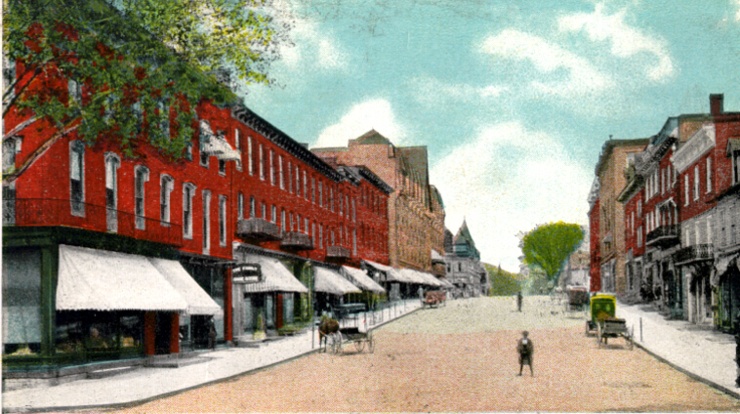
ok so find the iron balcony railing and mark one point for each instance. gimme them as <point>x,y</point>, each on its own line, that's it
<point>663,236</point>
<point>337,253</point>
<point>71,213</point>
<point>695,253</point>
<point>258,229</point>
<point>295,240</point>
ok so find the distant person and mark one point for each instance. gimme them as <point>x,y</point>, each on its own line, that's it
<point>95,340</point>
<point>519,300</point>
<point>525,348</point>
<point>212,335</point>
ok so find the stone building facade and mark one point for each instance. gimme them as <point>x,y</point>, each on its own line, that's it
<point>464,268</point>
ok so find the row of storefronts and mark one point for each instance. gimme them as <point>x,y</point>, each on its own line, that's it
<point>672,235</point>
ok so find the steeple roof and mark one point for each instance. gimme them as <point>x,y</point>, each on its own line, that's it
<point>463,235</point>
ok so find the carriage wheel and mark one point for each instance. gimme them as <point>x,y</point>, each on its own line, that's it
<point>370,342</point>
<point>359,345</point>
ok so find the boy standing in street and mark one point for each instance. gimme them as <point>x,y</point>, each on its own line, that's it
<point>525,348</point>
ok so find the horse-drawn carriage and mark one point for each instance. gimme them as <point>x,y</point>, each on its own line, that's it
<point>434,298</point>
<point>602,318</point>
<point>334,337</point>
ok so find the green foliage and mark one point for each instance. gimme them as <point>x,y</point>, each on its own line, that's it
<point>503,283</point>
<point>132,63</point>
<point>548,246</point>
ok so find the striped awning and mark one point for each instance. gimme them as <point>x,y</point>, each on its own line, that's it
<point>412,276</point>
<point>329,281</point>
<point>275,277</point>
<point>362,280</point>
<point>92,279</point>
<point>430,279</point>
<point>199,302</point>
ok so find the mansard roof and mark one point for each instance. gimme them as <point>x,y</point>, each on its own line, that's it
<point>361,171</point>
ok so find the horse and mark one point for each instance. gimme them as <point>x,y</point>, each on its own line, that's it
<point>327,327</point>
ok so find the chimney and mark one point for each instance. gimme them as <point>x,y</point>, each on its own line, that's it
<point>716,103</point>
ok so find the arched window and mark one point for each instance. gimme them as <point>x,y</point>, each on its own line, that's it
<point>112,163</point>
<point>141,176</point>
<point>188,192</point>
<point>166,184</point>
<point>77,177</point>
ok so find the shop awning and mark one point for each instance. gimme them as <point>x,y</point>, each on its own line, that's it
<point>275,277</point>
<point>199,302</point>
<point>364,281</point>
<point>392,274</point>
<point>92,279</point>
<point>329,281</point>
<point>411,276</point>
<point>430,279</point>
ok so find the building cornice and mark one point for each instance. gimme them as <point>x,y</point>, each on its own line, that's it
<point>701,142</point>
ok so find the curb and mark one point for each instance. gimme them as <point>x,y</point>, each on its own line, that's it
<point>136,402</point>
<point>732,393</point>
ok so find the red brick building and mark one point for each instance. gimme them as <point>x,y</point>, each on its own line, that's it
<point>108,257</point>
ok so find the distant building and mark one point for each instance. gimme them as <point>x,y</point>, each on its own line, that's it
<point>464,269</point>
<point>415,208</point>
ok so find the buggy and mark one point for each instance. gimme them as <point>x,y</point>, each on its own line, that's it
<point>602,319</point>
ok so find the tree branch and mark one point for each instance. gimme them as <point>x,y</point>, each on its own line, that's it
<point>18,128</point>
<point>41,150</point>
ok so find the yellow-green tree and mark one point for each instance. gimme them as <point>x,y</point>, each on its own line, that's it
<point>547,247</point>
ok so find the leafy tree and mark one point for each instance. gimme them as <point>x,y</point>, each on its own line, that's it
<point>503,283</point>
<point>547,247</point>
<point>121,68</point>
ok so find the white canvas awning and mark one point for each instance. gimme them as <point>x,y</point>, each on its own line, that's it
<point>275,277</point>
<point>92,279</point>
<point>364,281</point>
<point>199,302</point>
<point>392,274</point>
<point>412,276</point>
<point>430,279</point>
<point>329,281</point>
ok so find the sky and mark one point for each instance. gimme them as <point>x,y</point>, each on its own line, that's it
<point>513,99</point>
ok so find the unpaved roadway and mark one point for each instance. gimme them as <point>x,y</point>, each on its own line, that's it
<point>462,357</point>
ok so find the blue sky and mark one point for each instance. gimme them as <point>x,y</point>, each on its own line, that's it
<point>513,99</point>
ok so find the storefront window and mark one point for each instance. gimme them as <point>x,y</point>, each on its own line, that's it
<point>99,332</point>
<point>22,303</point>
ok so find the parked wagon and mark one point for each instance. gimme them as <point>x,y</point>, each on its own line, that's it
<point>434,298</point>
<point>603,320</point>
<point>577,298</point>
<point>348,335</point>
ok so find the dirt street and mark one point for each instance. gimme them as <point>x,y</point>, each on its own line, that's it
<point>462,358</point>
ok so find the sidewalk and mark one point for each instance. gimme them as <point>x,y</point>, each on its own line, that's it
<point>148,383</point>
<point>701,352</point>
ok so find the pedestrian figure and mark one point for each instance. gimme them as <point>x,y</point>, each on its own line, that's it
<point>212,335</point>
<point>525,348</point>
<point>519,300</point>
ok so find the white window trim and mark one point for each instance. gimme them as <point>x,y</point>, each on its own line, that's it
<point>697,183</point>
<point>187,225</point>
<point>140,219</point>
<point>75,148</point>
<point>709,175</point>
<point>206,221</point>
<point>167,184</point>
<point>222,229</point>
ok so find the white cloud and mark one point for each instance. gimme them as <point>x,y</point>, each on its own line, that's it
<point>431,90</point>
<point>737,12</point>
<point>507,180</point>
<point>626,41</point>
<point>314,47</point>
<point>549,59</point>
<point>370,114</point>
